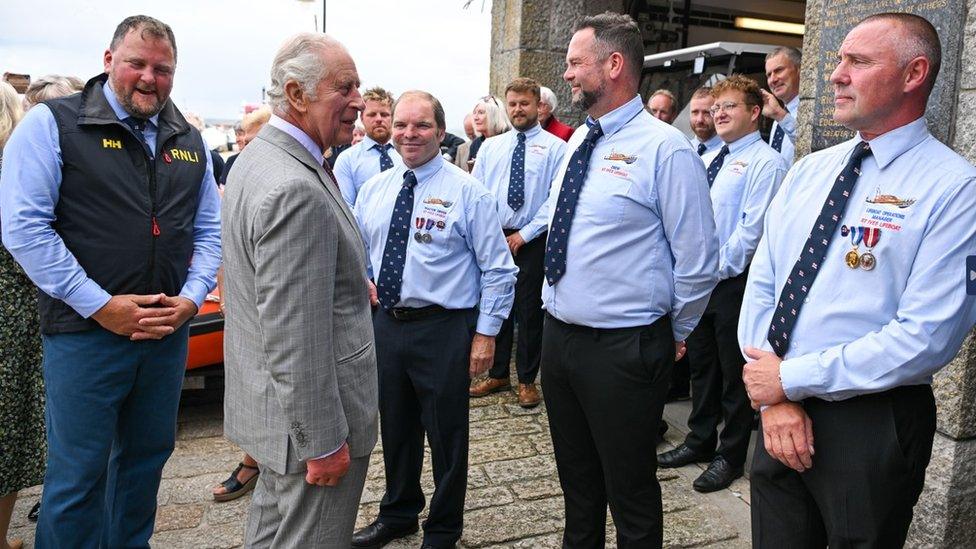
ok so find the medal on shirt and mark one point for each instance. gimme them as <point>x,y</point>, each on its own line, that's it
<point>871,237</point>
<point>423,238</point>
<point>853,259</point>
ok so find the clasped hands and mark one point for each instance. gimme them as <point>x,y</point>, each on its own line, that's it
<point>787,429</point>
<point>142,317</point>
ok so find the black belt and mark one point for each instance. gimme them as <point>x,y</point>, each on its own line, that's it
<point>406,314</point>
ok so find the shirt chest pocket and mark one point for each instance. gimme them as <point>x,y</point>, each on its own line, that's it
<point>728,190</point>
<point>603,200</point>
<point>435,232</point>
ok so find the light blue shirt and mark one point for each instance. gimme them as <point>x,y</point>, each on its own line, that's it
<point>30,190</point>
<point>357,164</point>
<point>643,240</point>
<point>788,123</point>
<point>742,190</point>
<point>869,331</point>
<point>712,148</point>
<point>298,135</point>
<point>466,264</point>
<point>544,153</point>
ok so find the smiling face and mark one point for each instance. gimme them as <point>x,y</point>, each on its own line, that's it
<point>523,109</point>
<point>331,116</point>
<point>870,79</point>
<point>783,77</point>
<point>141,71</point>
<point>736,119</point>
<point>415,133</point>
<point>377,118</point>
<point>585,71</point>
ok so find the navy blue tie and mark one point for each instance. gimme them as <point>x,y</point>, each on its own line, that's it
<point>562,219</point>
<point>516,181</point>
<point>777,142</point>
<point>814,252</point>
<point>385,161</point>
<point>716,164</point>
<point>395,252</point>
<point>701,149</point>
<point>138,125</point>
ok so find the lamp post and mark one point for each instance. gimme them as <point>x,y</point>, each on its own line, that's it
<point>324,11</point>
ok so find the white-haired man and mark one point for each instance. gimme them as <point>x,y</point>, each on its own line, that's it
<point>301,395</point>
<point>547,115</point>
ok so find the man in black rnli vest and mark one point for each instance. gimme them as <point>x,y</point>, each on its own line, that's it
<point>109,204</point>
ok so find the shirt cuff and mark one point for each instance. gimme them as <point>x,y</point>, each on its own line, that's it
<point>788,123</point>
<point>196,291</point>
<point>801,377</point>
<point>329,454</point>
<point>528,235</point>
<point>88,298</point>
<point>489,325</point>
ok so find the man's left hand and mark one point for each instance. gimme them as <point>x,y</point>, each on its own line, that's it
<point>680,348</point>
<point>184,309</point>
<point>515,242</point>
<point>482,353</point>
<point>761,377</point>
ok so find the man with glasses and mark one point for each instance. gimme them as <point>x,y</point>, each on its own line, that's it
<point>743,177</point>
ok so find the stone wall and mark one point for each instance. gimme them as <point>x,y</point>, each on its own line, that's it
<point>945,515</point>
<point>529,38</point>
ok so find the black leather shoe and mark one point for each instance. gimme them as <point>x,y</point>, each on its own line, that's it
<point>377,535</point>
<point>719,474</point>
<point>681,456</point>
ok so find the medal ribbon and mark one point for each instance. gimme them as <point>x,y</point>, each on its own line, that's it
<point>871,236</point>
<point>856,234</point>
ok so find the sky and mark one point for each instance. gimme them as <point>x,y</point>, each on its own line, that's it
<point>226,46</point>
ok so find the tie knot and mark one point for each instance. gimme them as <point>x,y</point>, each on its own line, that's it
<point>137,124</point>
<point>701,149</point>
<point>382,148</point>
<point>409,179</point>
<point>521,137</point>
<point>861,150</point>
<point>596,131</point>
<point>724,151</point>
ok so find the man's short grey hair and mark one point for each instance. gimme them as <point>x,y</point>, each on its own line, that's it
<point>792,54</point>
<point>50,86</point>
<point>549,97</point>
<point>617,32</point>
<point>669,95</point>
<point>920,39</point>
<point>299,59</point>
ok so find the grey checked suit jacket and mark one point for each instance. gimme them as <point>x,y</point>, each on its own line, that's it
<point>299,359</point>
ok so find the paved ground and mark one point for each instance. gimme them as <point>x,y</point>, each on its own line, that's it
<point>513,501</point>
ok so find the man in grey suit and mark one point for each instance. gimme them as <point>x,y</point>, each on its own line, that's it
<point>300,367</point>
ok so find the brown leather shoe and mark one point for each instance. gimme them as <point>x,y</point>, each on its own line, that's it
<point>528,395</point>
<point>488,386</point>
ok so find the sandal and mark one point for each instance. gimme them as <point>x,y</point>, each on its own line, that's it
<point>236,488</point>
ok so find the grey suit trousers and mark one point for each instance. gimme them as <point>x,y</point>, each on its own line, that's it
<point>288,512</point>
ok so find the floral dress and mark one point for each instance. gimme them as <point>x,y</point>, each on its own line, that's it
<point>22,442</point>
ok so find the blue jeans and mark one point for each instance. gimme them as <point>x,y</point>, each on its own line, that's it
<point>111,426</point>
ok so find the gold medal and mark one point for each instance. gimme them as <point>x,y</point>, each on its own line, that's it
<point>853,260</point>
<point>867,261</point>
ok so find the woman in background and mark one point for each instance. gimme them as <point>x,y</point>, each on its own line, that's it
<point>490,119</point>
<point>22,443</point>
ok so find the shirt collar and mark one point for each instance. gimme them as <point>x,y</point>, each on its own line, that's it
<point>713,142</point>
<point>369,143</point>
<point>888,146</point>
<point>427,170</point>
<point>117,107</point>
<point>529,133</point>
<point>617,118</point>
<point>793,105</point>
<point>743,142</point>
<point>298,134</point>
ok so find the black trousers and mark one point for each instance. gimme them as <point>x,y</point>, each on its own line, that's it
<point>527,312</point>
<point>604,392</point>
<point>717,391</point>
<point>423,388</point>
<point>868,471</point>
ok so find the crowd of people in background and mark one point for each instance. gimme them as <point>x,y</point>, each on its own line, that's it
<point>377,272</point>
